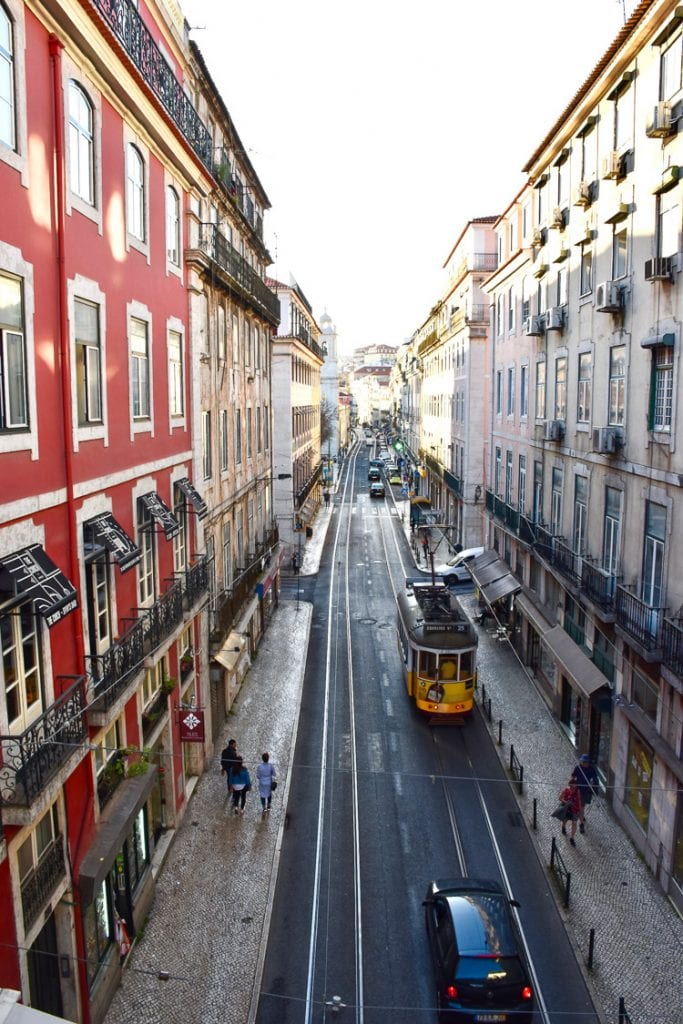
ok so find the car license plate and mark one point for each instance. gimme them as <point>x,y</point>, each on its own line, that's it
<point>490,1018</point>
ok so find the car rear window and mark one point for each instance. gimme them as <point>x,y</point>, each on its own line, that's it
<point>506,970</point>
<point>482,926</point>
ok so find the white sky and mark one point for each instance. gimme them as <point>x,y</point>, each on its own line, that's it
<point>379,127</point>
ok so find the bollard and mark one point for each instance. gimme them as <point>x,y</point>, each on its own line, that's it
<point>534,819</point>
<point>591,948</point>
<point>500,732</point>
<point>488,709</point>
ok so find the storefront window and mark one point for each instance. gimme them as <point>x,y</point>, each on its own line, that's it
<point>97,931</point>
<point>639,779</point>
<point>137,848</point>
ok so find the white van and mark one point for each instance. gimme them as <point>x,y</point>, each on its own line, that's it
<point>455,569</point>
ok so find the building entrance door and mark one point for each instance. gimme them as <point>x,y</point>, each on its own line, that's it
<point>43,971</point>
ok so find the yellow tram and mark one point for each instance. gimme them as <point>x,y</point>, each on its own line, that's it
<point>438,645</point>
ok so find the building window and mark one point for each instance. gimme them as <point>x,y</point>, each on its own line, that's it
<point>172,226</point>
<point>556,502</point>
<point>81,145</point>
<point>180,539</point>
<point>221,340</point>
<point>661,388</point>
<point>561,388</point>
<point>98,592</point>
<point>619,243</point>
<point>152,681</point>
<point>538,494</point>
<point>499,316</point>
<point>227,558</point>
<point>617,382</point>
<point>98,932</point>
<point>668,217</point>
<point>511,391</point>
<point>266,428</point>
<point>583,407</point>
<point>13,391</point>
<point>238,437</point>
<point>145,538</point>
<point>499,392</point>
<point>580,513</point>
<point>206,445</point>
<point>508,478</point>
<point>653,554</point>
<point>670,69</point>
<point>135,192</point>
<point>21,665</point>
<point>175,373</point>
<point>7,119</point>
<point>88,362</point>
<point>139,358</point>
<point>540,390</point>
<point>524,390</point>
<point>37,846</point>
<point>511,311</point>
<point>498,468</point>
<point>258,429</point>
<point>612,531</point>
<point>224,440</point>
<point>521,485</point>
<point>249,434</point>
<point>586,285</point>
<point>645,694</point>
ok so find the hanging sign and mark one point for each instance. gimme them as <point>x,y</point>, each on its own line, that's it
<point>192,725</point>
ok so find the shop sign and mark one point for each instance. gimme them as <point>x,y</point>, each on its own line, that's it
<point>192,725</point>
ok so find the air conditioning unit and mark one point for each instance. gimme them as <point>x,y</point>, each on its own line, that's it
<point>611,166</point>
<point>554,318</point>
<point>607,440</point>
<point>661,123</point>
<point>582,194</point>
<point>658,269</point>
<point>537,237</point>
<point>533,326</point>
<point>608,297</point>
<point>557,219</point>
<point>554,430</point>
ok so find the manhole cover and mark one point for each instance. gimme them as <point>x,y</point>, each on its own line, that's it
<point>366,622</point>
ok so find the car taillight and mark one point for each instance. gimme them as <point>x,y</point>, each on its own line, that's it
<point>527,992</point>
<point>452,992</point>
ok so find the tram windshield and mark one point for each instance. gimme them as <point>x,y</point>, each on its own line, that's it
<point>446,666</point>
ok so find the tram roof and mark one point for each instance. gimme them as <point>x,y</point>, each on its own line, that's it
<point>435,617</point>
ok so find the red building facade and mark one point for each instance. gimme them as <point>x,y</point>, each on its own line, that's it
<point>102,587</point>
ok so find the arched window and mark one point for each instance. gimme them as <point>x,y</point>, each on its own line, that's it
<point>135,192</point>
<point>7,126</point>
<point>81,151</point>
<point>172,226</point>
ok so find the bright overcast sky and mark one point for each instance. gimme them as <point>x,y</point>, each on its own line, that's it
<point>379,127</point>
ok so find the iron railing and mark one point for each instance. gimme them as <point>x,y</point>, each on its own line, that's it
<point>672,644</point>
<point>512,518</point>
<point>499,508</point>
<point>600,586</point>
<point>642,621</point>
<point>131,31</point>
<point>42,881</point>
<point>32,758</point>
<point>196,582</point>
<point>567,561</point>
<point>222,252</point>
<point>307,487</point>
<point>602,661</point>
<point>113,670</point>
<point>230,602</point>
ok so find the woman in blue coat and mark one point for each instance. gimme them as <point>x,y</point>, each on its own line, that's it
<point>265,773</point>
<point>240,783</point>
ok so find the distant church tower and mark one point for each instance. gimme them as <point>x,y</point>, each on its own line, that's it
<point>329,383</point>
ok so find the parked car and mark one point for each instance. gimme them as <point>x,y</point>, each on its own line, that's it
<point>377,490</point>
<point>477,952</point>
<point>455,569</point>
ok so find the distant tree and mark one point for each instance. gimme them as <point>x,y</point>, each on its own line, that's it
<point>327,421</point>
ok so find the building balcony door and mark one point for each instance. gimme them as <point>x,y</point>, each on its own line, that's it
<point>43,971</point>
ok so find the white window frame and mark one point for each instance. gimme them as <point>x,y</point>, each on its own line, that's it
<point>175,346</point>
<point>86,290</point>
<point>141,424</point>
<point>15,151</point>
<point>81,143</point>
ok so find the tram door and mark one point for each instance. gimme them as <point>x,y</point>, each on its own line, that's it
<point>43,971</point>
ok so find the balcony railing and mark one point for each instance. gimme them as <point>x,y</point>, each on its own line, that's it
<point>41,882</point>
<point>512,518</point>
<point>153,712</point>
<point>222,252</point>
<point>114,670</point>
<point>642,621</point>
<point>131,31</point>
<point>307,487</point>
<point>600,586</point>
<point>478,313</point>
<point>545,542</point>
<point>31,759</point>
<point>567,561</point>
<point>672,643</point>
<point>230,602</point>
<point>499,508</point>
<point>602,661</point>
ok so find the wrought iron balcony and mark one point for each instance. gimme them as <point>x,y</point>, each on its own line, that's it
<point>34,757</point>
<point>567,561</point>
<point>42,880</point>
<point>599,585</point>
<point>512,518</point>
<point>488,499</point>
<point>672,643</point>
<point>152,713</point>
<point>602,661</point>
<point>131,31</point>
<point>245,278</point>
<point>545,542</point>
<point>643,622</point>
<point>499,508</point>
<point>231,601</point>
<point>307,487</point>
<point>114,670</point>
<point>195,582</point>
<point>527,530</point>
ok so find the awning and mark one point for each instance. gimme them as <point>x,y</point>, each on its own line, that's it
<point>114,826</point>
<point>533,614</point>
<point>105,530</point>
<point>573,661</point>
<point>160,511</point>
<point>231,651</point>
<point>31,574</point>
<point>193,496</point>
<point>493,577</point>
<point>264,585</point>
<point>307,510</point>
<point>655,340</point>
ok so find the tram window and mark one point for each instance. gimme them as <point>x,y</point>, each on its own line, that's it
<point>466,664</point>
<point>428,664</point>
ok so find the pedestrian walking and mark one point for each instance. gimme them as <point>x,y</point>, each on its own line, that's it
<point>425,546</point>
<point>240,780</point>
<point>326,498</point>
<point>569,809</point>
<point>265,773</point>
<point>295,563</point>
<point>229,757</point>
<point>586,778</point>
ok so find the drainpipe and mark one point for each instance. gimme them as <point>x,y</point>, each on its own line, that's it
<point>56,48</point>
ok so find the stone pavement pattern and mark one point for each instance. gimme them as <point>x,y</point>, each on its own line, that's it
<point>212,900</point>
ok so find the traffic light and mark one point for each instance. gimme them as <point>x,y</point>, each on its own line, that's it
<point>398,445</point>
